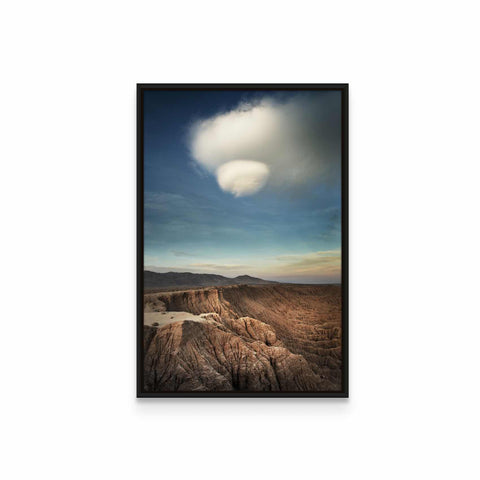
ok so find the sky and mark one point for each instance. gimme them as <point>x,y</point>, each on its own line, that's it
<point>243,183</point>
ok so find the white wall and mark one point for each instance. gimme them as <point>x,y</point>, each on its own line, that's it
<point>67,187</point>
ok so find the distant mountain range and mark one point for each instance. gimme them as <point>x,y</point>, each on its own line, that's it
<point>187,279</point>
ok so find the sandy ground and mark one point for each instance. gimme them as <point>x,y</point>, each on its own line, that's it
<point>164,318</point>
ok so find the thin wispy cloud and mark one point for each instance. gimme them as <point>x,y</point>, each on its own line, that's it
<point>320,254</point>
<point>322,265</point>
<point>319,263</point>
<point>180,253</point>
<point>219,266</point>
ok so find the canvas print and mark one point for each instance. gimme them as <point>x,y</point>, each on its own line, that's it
<point>242,237</point>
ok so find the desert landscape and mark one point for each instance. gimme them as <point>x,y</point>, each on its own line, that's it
<point>254,336</point>
<point>242,242</point>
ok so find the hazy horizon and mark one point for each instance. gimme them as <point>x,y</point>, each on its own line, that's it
<point>243,183</point>
<point>300,280</point>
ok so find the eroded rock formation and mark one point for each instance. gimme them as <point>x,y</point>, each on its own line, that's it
<point>255,338</point>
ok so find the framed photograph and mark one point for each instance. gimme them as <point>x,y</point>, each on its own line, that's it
<point>242,234</point>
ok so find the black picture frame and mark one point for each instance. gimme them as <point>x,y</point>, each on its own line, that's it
<point>343,88</point>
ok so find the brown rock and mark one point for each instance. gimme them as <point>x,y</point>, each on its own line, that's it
<point>255,338</point>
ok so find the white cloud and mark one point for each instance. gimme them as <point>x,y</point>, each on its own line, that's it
<point>242,177</point>
<point>285,144</point>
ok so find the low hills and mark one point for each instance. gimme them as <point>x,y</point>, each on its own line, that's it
<point>188,280</point>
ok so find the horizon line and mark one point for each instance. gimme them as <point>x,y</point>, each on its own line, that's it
<point>339,282</point>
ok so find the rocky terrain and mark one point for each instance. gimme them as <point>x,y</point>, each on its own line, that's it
<point>244,337</point>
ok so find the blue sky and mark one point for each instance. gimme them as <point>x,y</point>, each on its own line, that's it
<point>284,231</point>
